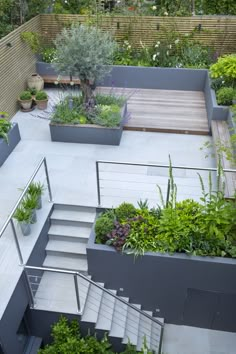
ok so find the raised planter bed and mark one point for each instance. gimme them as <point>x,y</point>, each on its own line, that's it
<point>183,289</point>
<point>13,140</point>
<point>87,133</point>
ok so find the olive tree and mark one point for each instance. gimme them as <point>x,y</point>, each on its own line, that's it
<point>85,52</point>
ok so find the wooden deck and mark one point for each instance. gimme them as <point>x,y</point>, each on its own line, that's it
<point>167,111</point>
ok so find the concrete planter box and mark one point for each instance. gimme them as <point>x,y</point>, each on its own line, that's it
<point>187,290</point>
<point>87,133</point>
<point>7,148</point>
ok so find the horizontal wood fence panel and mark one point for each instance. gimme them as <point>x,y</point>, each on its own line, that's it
<point>218,32</point>
<point>17,63</point>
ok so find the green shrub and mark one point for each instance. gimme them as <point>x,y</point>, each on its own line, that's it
<point>41,96</point>
<point>32,91</point>
<point>225,96</point>
<point>48,55</point>
<point>5,126</point>
<point>104,225</point>
<point>25,95</point>
<point>125,211</point>
<point>225,67</point>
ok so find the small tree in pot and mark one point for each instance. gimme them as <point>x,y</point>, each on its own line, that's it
<point>85,52</point>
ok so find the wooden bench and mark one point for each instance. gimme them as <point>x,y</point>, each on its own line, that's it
<point>221,136</point>
<point>63,79</point>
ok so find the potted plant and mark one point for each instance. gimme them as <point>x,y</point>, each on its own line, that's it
<point>25,100</point>
<point>31,203</point>
<point>32,91</point>
<point>36,188</point>
<point>5,126</point>
<point>41,99</point>
<point>24,218</point>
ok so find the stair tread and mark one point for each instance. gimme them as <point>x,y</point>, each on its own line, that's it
<point>144,331</point>
<point>132,326</point>
<point>66,262</point>
<point>73,215</point>
<point>56,292</point>
<point>106,311</point>
<point>70,231</point>
<point>119,318</point>
<point>92,304</point>
<point>66,246</point>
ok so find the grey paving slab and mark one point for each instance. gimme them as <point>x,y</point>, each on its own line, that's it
<point>192,340</point>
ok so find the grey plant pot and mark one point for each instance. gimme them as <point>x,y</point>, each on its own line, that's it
<point>34,216</point>
<point>39,202</point>
<point>7,148</point>
<point>87,133</point>
<point>25,228</point>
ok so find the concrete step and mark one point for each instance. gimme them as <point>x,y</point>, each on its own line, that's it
<point>69,232</point>
<point>144,331</point>
<point>92,305</point>
<point>105,314</point>
<point>74,215</point>
<point>66,262</point>
<point>119,319</point>
<point>56,292</point>
<point>132,326</point>
<point>72,223</point>
<point>156,333</point>
<point>78,208</point>
<point>56,247</point>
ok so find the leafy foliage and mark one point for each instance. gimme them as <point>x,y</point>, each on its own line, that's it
<point>72,110</point>
<point>41,95</point>
<point>25,96</point>
<point>206,229</point>
<point>67,339</point>
<point>5,126</point>
<point>125,211</point>
<point>104,225</point>
<point>225,96</point>
<point>225,67</point>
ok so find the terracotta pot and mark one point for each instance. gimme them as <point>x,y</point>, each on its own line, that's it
<point>35,81</point>
<point>26,104</point>
<point>42,104</point>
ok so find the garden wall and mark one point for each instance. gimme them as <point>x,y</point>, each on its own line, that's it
<point>17,63</point>
<point>216,31</point>
<point>185,290</point>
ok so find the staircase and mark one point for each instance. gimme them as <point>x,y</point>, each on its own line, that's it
<point>66,249</point>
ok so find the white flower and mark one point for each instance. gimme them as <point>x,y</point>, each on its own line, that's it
<point>177,41</point>
<point>186,34</point>
<point>126,42</point>
<point>154,8</point>
<point>170,46</point>
<point>56,82</point>
<point>157,54</point>
<point>167,52</point>
<point>72,83</point>
<point>129,46</point>
<point>154,57</point>
<point>66,1</point>
<point>157,45</point>
<point>166,13</point>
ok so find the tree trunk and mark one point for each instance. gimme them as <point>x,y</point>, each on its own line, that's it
<point>87,93</point>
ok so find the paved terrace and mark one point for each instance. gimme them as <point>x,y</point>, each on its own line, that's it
<point>73,180</point>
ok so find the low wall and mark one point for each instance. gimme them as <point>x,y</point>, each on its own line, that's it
<point>182,289</point>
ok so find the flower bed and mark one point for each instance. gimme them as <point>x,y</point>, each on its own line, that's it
<point>8,144</point>
<point>98,123</point>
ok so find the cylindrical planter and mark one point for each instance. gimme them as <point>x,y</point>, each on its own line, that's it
<point>39,205</point>
<point>42,104</point>
<point>34,216</point>
<point>25,228</point>
<point>35,81</point>
<point>26,104</point>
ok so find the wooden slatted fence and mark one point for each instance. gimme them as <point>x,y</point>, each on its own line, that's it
<point>17,63</point>
<point>218,32</point>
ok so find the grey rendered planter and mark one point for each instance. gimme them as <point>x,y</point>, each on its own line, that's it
<point>183,289</point>
<point>87,133</point>
<point>13,140</point>
<point>25,228</point>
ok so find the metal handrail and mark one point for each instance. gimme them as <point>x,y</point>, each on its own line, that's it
<point>215,169</point>
<point>10,220</point>
<point>75,273</point>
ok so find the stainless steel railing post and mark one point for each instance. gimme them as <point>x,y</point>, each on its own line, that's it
<point>31,295</point>
<point>77,292</point>
<point>47,178</point>
<point>16,241</point>
<point>98,183</point>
